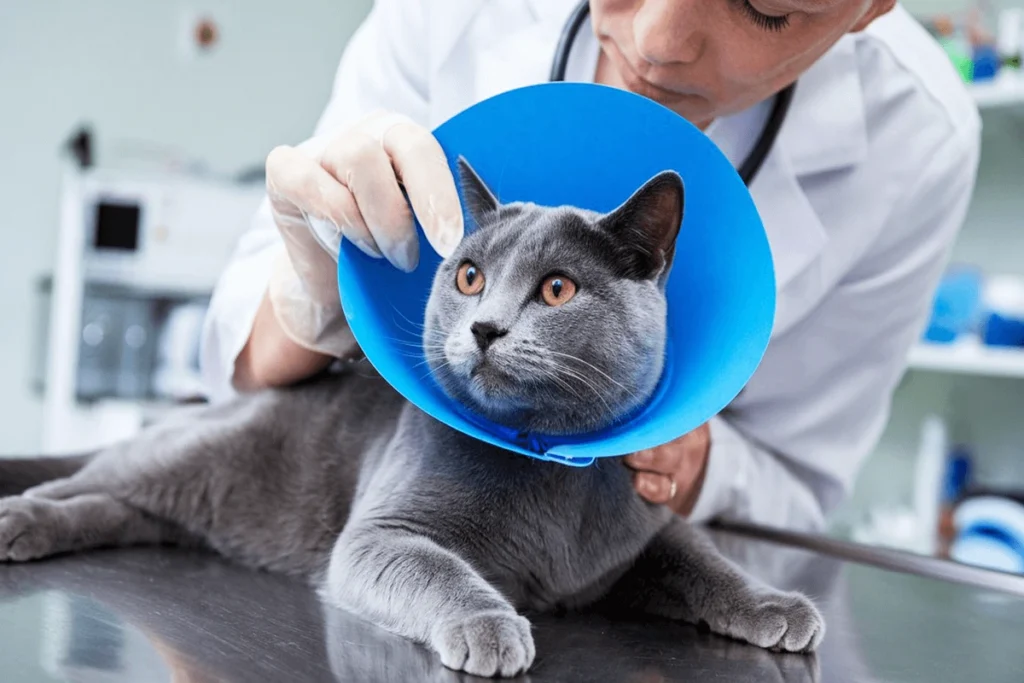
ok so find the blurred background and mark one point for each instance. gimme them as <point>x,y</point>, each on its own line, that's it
<point>133,137</point>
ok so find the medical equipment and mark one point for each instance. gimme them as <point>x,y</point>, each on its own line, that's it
<point>990,533</point>
<point>559,144</point>
<point>748,170</point>
<point>138,256</point>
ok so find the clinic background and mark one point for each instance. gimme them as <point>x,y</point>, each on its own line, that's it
<point>131,86</point>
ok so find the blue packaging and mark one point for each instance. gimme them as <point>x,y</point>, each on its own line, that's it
<point>955,306</point>
<point>1003,318</point>
<point>958,475</point>
<point>1000,330</point>
<point>986,63</point>
<point>990,533</point>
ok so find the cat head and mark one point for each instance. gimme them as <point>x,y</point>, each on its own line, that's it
<point>553,319</point>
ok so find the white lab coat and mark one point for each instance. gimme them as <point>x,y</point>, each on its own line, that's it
<point>861,196</point>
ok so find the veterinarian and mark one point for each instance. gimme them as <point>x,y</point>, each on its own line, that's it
<point>862,186</point>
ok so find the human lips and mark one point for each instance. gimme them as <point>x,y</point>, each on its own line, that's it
<point>634,78</point>
<point>661,93</point>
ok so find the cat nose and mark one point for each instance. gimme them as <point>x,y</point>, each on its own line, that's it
<point>485,333</point>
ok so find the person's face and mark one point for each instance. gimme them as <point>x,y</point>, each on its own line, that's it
<point>711,58</point>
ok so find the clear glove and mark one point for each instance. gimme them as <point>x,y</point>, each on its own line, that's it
<point>348,185</point>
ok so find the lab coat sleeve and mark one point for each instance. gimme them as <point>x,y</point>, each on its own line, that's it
<point>384,66</point>
<point>788,456</point>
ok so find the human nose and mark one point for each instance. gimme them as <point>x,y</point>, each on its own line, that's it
<point>670,31</point>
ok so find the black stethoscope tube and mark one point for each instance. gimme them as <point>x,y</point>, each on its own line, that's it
<point>769,133</point>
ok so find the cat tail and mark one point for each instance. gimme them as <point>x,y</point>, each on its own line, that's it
<point>20,474</point>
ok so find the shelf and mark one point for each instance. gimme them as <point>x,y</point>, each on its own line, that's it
<point>968,358</point>
<point>1006,89</point>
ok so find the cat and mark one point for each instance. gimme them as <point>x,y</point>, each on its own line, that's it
<point>546,319</point>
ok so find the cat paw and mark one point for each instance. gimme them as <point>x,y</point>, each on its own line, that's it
<point>486,644</point>
<point>25,529</point>
<point>788,622</point>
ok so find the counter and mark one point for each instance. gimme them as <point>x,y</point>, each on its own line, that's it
<point>160,615</point>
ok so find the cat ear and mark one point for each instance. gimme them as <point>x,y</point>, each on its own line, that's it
<point>646,225</point>
<point>476,196</point>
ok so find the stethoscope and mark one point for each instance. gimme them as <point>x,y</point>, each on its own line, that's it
<point>752,164</point>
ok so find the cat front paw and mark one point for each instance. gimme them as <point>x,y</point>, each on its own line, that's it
<point>25,529</point>
<point>788,622</point>
<point>497,643</point>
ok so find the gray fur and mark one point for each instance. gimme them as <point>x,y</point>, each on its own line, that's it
<point>418,528</point>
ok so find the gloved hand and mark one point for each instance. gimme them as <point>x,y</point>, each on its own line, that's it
<point>347,185</point>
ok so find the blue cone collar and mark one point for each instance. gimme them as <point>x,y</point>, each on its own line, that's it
<point>592,146</point>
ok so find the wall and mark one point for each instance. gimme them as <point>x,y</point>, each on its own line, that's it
<point>926,7</point>
<point>117,65</point>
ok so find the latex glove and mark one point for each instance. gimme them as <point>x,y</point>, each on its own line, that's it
<point>683,461</point>
<point>348,185</point>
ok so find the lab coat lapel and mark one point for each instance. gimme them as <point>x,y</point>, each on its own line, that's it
<point>518,58</point>
<point>795,233</point>
<point>484,53</point>
<point>824,132</point>
<point>826,128</point>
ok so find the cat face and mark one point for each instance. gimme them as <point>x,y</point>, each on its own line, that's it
<point>552,320</point>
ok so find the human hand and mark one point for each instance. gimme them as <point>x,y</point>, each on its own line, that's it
<point>673,474</point>
<point>349,185</point>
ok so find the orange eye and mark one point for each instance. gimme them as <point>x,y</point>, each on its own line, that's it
<point>557,290</point>
<point>469,279</point>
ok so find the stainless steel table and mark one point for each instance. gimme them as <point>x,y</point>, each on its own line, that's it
<point>157,615</point>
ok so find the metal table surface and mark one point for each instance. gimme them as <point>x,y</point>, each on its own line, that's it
<point>159,615</point>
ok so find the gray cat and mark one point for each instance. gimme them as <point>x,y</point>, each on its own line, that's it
<point>550,320</point>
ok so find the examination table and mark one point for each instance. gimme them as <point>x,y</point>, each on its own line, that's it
<point>149,614</point>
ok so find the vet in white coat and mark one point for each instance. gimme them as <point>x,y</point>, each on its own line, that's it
<point>861,196</point>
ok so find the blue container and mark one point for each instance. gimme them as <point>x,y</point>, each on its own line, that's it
<point>592,146</point>
<point>1000,330</point>
<point>955,306</point>
<point>986,63</point>
<point>1003,304</point>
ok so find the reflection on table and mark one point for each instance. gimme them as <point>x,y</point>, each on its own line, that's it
<point>164,615</point>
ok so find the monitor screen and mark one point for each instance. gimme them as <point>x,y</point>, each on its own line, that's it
<point>117,226</point>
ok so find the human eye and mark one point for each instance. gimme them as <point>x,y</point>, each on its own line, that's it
<point>767,22</point>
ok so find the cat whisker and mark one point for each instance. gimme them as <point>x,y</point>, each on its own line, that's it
<point>631,393</point>
<point>417,345</point>
<point>404,317</point>
<point>565,370</point>
<point>546,369</point>
<point>432,370</point>
<point>428,359</point>
<point>561,382</point>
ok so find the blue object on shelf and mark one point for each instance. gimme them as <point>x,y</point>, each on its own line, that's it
<point>592,146</point>
<point>1003,311</point>
<point>958,474</point>
<point>955,306</point>
<point>1000,330</point>
<point>990,533</point>
<point>989,546</point>
<point>986,63</point>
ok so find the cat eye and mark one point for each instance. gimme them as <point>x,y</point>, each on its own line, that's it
<point>557,290</point>
<point>469,279</point>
